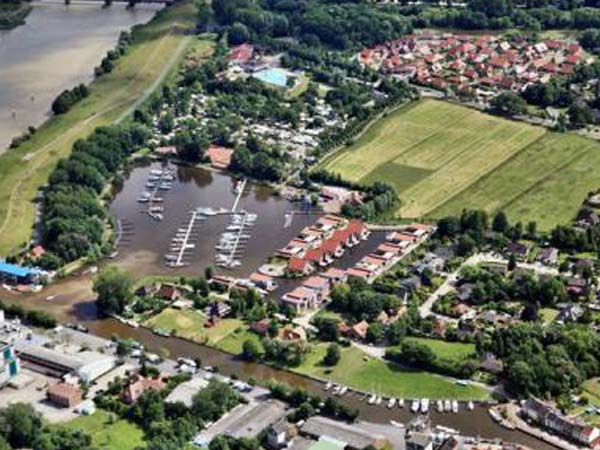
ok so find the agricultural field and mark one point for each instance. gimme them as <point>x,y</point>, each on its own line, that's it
<point>153,57</point>
<point>442,158</point>
<point>355,369</point>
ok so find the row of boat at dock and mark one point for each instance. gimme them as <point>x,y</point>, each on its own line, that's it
<point>422,406</point>
<point>233,241</point>
<point>159,181</point>
<point>184,241</point>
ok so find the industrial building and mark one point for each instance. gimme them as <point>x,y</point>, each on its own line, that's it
<point>85,365</point>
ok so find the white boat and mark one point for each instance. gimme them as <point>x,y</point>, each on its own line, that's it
<point>470,406</point>
<point>328,386</point>
<point>439,406</point>
<point>344,389</point>
<point>150,185</point>
<point>144,198</point>
<point>165,187</point>
<point>379,400</point>
<point>251,216</point>
<point>372,399</point>
<point>391,403</point>
<point>454,406</point>
<point>414,407</point>
<point>447,406</point>
<point>158,199</point>
<point>169,257</point>
<point>233,227</point>
<point>154,209</point>
<point>156,172</point>
<point>424,405</point>
<point>396,424</point>
<point>236,263</point>
<point>336,390</point>
<point>401,403</point>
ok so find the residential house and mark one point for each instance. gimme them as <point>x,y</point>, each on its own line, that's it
<point>137,385</point>
<point>550,418</point>
<point>319,257</point>
<point>335,276</point>
<point>300,267</point>
<point>262,281</point>
<point>548,256</point>
<point>301,299</point>
<point>218,310</point>
<point>518,250</point>
<point>359,331</point>
<point>292,334</point>
<point>320,285</point>
<point>168,292</point>
<point>362,273</point>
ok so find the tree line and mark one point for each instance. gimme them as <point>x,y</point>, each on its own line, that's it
<point>72,212</point>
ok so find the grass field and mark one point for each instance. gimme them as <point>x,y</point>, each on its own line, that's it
<point>457,351</point>
<point>189,324</point>
<point>107,434</point>
<point>158,48</point>
<point>442,158</point>
<point>377,376</point>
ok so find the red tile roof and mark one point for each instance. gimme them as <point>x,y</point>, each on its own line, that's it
<point>220,157</point>
<point>297,264</point>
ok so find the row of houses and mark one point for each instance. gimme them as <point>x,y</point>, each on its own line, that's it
<point>467,62</point>
<point>387,254</point>
<point>314,291</point>
<point>319,245</point>
<point>551,419</point>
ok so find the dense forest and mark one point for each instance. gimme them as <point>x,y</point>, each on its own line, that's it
<point>349,24</point>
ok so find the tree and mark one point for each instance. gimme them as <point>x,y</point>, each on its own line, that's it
<point>580,115</point>
<point>333,355</point>
<point>20,425</point>
<point>375,332</point>
<point>238,34</point>
<point>250,350</point>
<point>500,222</point>
<point>508,104</point>
<point>113,287</point>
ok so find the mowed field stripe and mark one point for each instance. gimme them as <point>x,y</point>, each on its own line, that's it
<point>394,135</point>
<point>545,182</point>
<point>476,160</point>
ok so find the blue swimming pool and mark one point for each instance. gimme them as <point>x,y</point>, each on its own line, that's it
<point>275,76</point>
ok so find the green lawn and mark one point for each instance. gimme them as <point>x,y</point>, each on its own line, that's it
<point>457,351</point>
<point>109,435</point>
<point>189,324</point>
<point>158,48</point>
<point>443,157</point>
<point>548,315</point>
<point>233,342</point>
<point>357,370</point>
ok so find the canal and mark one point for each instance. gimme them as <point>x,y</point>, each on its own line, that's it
<point>57,48</point>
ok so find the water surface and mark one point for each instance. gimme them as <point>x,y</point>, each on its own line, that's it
<point>57,48</point>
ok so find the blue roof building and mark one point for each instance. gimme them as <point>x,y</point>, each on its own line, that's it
<point>19,274</point>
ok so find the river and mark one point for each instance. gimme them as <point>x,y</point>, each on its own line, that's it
<point>57,48</point>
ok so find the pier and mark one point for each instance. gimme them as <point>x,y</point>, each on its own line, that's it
<point>240,188</point>
<point>185,245</point>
